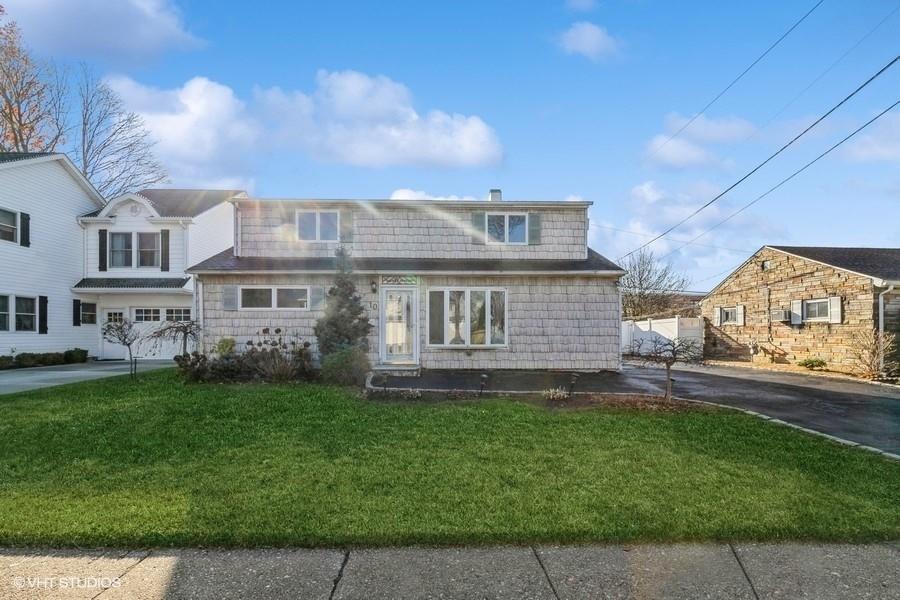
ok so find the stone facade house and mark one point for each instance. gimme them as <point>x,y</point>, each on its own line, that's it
<point>447,284</point>
<point>789,303</point>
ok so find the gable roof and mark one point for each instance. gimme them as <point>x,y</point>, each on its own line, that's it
<point>880,263</point>
<point>10,160</point>
<point>226,261</point>
<point>186,203</point>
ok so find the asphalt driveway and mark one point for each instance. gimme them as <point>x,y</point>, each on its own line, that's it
<point>861,412</point>
<point>21,380</point>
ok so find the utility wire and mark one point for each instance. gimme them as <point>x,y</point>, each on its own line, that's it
<point>671,239</point>
<point>696,116</point>
<point>788,178</point>
<point>771,157</point>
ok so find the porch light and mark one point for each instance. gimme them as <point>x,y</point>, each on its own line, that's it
<point>374,285</point>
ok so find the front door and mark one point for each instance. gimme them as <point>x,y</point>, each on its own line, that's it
<point>110,350</point>
<point>399,318</point>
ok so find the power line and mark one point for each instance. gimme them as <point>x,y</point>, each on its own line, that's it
<point>771,157</point>
<point>788,178</point>
<point>644,234</point>
<point>659,147</point>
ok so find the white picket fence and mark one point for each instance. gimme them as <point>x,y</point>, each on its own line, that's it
<point>690,328</point>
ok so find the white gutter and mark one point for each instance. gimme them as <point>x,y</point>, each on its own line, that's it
<point>412,272</point>
<point>881,296</point>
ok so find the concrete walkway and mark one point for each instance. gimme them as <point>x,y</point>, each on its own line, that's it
<point>727,571</point>
<point>21,380</point>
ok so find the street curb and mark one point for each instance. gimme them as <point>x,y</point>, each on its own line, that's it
<point>492,393</point>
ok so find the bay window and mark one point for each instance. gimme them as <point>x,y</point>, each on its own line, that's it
<point>467,317</point>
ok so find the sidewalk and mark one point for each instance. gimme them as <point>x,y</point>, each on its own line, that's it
<point>728,571</point>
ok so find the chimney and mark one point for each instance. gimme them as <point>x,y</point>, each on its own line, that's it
<point>496,195</point>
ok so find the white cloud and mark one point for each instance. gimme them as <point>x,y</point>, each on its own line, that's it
<point>705,129</point>
<point>677,152</point>
<point>581,5</point>
<point>573,198</point>
<point>115,31</point>
<point>410,194</point>
<point>588,40</point>
<point>206,133</point>
<point>882,144</point>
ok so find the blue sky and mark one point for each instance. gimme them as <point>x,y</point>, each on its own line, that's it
<point>545,100</point>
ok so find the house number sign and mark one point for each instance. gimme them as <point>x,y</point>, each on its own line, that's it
<point>399,280</point>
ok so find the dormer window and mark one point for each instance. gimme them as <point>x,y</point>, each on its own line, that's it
<point>120,249</point>
<point>318,225</point>
<point>148,249</point>
<point>9,230</point>
<point>507,228</point>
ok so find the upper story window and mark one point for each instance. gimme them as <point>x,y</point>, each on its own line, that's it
<point>148,249</point>
<point>9,230</point>
<point>816,310</point>
<point>318,225</point>
<point>506,228</point>
<point>26,314</point>
<point>120,254</point>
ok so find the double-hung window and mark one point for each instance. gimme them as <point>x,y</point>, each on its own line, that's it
<point>148,249</point>
<point>9,229</point>
<point>4,313</point>
<point>467,317</point>
<point>816,310</point>
<point>318,225</point>
<point>26,314</point>
<point>120,246</point>
<point>506,228</point>
<point>281,298</point>
<point>88,313</point>
<point>730,315</point>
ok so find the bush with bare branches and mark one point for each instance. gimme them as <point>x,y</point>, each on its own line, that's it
<point>872,353</point>
<point>667,352</point>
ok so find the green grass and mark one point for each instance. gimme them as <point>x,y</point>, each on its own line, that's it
<point>158,463</point>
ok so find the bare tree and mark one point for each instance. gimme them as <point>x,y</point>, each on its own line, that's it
<point>666,352</point>
<point>32,97</point>
<point>184,331</point>
<point>124,333</point>
<point>871,352</point>
<point>649,286</point>
<point>113,149</point>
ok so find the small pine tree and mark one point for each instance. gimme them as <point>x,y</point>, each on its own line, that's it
<point>345,323</point>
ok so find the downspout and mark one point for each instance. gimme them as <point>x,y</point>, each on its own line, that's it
<point>881,296</point>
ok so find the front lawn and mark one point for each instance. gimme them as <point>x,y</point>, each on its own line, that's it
<point>158,463</point>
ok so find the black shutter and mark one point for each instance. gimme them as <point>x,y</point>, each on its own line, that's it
<point>24,229</point>
<point>42,314</point>
<point>102,250</point>
<point>164,250</point>
<point>76,313</point>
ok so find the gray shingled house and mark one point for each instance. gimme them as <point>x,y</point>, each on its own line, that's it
<point>448,284</point>
<point>789,303</point>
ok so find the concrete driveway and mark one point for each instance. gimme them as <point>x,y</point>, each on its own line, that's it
<point>21,380</point>
<point>864,413</point>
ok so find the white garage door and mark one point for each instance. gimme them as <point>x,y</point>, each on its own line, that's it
<point>145,321</point>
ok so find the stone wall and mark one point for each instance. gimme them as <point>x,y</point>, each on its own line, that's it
<point>268,229</point>
<point>788,278</point>
<point>570,323</point>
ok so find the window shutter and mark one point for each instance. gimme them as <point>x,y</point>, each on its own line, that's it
<point>534,229</point>
<point>834,309</point>
<point>346,225</point>
<point>478,228</point>
<point>24,229</point>
<point>164,250</point>
<point>101,250</point>
<point>76,313</point>
<point>740,314</point>
<point>717,316</point>
<point>317,298</point>
<point>796,312</point>
<point>42,314</point>
<point>229,297</point>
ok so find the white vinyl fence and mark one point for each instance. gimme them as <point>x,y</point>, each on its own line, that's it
<point>690,328</point>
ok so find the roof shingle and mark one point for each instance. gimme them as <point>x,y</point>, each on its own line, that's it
<point>882,263</point>
<point>132,282</point>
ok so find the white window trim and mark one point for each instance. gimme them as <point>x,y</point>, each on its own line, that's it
<point>318,213</point>
<point>10,322</point>
<point>17,226</point>
<point>13,312</point>
<point>506,215</point>
<point>166,316</point>
<point>137,308</point>
<point>95,313</point>
<point>825,319</point>
<point>273,305</point>
<point>467,301</point>
<point>109,251</point>
<point>726,322</point>
<point>136,244</point>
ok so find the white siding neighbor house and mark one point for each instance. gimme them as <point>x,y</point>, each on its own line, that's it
<point>447,284</point>
<point>136,250</point>
<point>41,197</point>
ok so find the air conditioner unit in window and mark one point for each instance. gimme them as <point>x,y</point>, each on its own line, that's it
<point>780,315</point>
